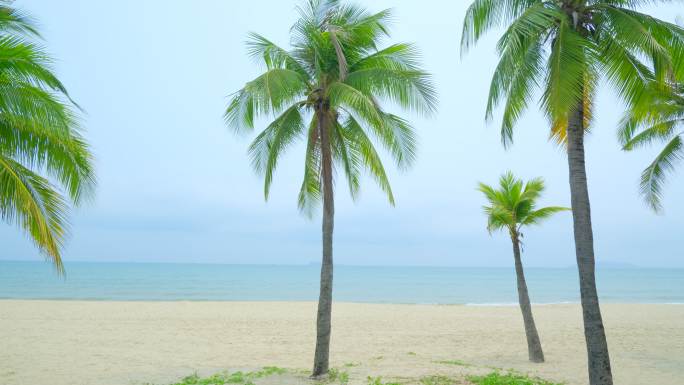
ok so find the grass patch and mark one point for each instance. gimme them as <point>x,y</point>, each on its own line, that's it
<point>351,364</point>
<point>453,362</point>
<point>378,381</point>
<point>341,377</point>
<point>236,378</point>
<point>268,371</point>
<point>412,353</point>
<point>337,376</point>
<point>436,380</point>
<point>497,378</point>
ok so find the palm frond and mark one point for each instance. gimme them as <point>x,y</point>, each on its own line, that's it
<point>520,66</point>
<point>653,177</point>
<point>60,150</point>
<point>394,74</point>
<point>311,191</point>
<point>30,201</point>
<point>370,159</point>
<point>566,76</point>
<point>412,90</point>
<point>23,60</point>
<point>483,15</point>
<point>535,217</point>
<point>355,101</point>
<point>15,21</point>
<point>270,144</point>
<point>272,55</point>
<point>268,93</point>
<point>512,204</point>
<point>346,153</point>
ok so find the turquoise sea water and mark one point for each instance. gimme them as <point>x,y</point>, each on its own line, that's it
<point>377,284</point>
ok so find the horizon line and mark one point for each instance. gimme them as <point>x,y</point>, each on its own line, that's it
<point>609,264</point>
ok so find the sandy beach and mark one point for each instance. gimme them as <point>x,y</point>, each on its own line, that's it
<point>107,343</point>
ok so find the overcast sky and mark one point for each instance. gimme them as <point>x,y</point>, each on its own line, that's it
<point>175,185</point>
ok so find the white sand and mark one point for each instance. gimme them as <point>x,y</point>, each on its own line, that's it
<point>98,343</point>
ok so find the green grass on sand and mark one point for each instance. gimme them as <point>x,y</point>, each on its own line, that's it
<point>497,378</point>
<point>453,362</point>
<point>278,376</point>
<point>237,378</point>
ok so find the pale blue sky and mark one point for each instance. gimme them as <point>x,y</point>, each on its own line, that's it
<point>175,184</point>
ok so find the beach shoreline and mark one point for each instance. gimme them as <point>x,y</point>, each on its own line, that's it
<point>135,342</point>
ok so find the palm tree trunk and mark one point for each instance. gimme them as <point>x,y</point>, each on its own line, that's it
<point>323,322</point>
<point>594,333</point>
<point>534,348</point>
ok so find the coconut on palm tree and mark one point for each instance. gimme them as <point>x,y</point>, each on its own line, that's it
<point>660,118</point>
<point>44,161</point>
<point>329,89</point>
<point>564,48</point>
<point>510,208</point>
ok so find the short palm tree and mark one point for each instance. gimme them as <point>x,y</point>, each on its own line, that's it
<point>564,47</point>
<point>510,207</point>
<point>38,134</point>
<point>327,89</point>
<point>659,119</point>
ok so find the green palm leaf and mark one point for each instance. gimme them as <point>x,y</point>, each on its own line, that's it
<point>311,191</point>
<point>657,117</point>
<point>39,132</point>
<point>513,204</point>
<point>29,200</point>
<point>271,143</point>
<point>653,176</point>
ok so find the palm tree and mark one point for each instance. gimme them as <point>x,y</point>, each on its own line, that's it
<point>564,47</point>
<point>39,133</point>
<point>660,118</point>
<point>327,89</point>
<point>510,208</point>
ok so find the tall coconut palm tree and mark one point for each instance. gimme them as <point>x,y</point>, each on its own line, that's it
<point>327,89</point>
<point>39,134</point>
<point>564,47</point>
<point>512,206</point>
<point>659,119</point>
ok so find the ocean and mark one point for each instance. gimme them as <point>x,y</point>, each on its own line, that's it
<point>370,284</point>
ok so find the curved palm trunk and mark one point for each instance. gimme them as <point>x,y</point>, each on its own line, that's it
<point>594,333</point>
<point>534,348</point>
<point>323,322</point>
